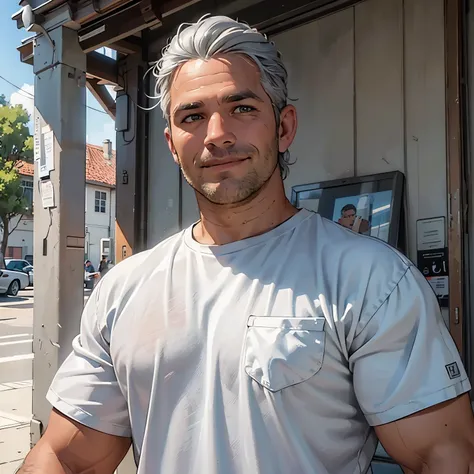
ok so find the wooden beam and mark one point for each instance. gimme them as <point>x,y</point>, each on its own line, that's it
<point>455,172</point>
<point>129,20</point>
<point>26,51</point>
<point>118,26</point>
<point>102,67</point>
<point>130,45</point>
<point>132,164</point>
<point>102,96</point>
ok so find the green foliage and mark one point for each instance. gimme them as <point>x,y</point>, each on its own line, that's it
<point>11,191</point>
<point>16,144</point>
<point>16,141</point>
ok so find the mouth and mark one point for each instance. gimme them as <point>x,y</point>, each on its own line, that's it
<point>225,163</point>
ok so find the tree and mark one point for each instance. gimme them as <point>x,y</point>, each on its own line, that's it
<point>12,202</point>
<point>16,144</point>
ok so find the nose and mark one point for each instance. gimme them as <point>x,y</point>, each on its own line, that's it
<point>218,133</point>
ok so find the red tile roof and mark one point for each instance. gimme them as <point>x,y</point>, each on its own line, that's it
<point>99,170</point>
<point>25,169</point>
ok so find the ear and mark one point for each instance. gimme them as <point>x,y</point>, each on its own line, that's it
<point>287,129</point>
<point>169,140</point>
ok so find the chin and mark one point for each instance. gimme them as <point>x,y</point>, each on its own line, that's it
<point>219,193</point>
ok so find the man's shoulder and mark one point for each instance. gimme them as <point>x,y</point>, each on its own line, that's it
<point>361,267</point>
<point>361,270</point>
<point>360,248</point>
<point>139,266</point>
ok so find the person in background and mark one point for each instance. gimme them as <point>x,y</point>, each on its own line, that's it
<point>350,220</point>
<point>348,215</point>
<point>88,267</point>
<point>103,266</point>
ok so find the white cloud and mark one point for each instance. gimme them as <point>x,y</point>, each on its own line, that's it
<point>25,98</point>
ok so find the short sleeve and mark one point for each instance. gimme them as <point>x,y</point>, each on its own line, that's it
<point>404,359</point>
<point>85,387</point>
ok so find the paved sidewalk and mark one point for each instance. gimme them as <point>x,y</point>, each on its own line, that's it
<point>15,416</point>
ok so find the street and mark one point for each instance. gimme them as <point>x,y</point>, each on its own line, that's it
<point>16,366</point>
<point>16,373</point>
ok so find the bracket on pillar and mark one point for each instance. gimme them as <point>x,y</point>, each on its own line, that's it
<point>102,67</point>
<point>102,96</point>
<point>151,11</point>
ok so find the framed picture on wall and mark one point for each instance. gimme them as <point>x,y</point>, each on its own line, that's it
<point>369,205</point>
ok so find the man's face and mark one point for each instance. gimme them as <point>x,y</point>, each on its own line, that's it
<point>348,218</point>
<point>223,131</point>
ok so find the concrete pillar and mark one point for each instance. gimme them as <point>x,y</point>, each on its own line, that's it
<point>60,99</point>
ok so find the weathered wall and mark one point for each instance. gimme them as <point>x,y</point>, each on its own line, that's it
<point>369,88</point>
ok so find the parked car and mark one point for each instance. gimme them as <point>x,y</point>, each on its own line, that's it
<point>19,265</point>
<point>16,264</point>
<point>30,272</point>
<point>11,282</point>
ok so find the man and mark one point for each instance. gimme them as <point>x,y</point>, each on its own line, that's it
<point>348,215</point>
<point>103,266</point>
<point>350,220</point>
<point>255,341</point>
<point>90,276</point>
<point>88,267</point>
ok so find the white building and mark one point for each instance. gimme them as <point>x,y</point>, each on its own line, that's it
<point>99,206</point>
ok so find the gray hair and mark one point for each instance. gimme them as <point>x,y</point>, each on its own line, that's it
<point>213,35</point>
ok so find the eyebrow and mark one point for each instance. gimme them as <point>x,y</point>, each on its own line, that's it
<point>239,96</point>
<point>227,99</point>
<point>189,106</point>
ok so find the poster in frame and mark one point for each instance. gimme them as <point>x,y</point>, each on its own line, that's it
<point>370,205</point>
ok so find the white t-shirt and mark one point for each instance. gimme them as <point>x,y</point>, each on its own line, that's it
<point>271,355</point>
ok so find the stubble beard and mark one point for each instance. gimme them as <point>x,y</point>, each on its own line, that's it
<point>229,190</point>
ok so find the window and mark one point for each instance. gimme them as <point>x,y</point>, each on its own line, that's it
<point>28,194</point>
<point>14,252</point>
<point>15,265</point>
<point>100,200</point>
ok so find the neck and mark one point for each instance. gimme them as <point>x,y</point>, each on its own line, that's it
<point>222,224</point>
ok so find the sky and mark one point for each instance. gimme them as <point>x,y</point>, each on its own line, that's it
<point>99,125</point>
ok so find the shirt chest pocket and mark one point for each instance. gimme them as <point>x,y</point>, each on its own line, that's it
<point>280,352</point>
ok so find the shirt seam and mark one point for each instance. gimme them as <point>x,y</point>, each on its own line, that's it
<point>61,399</point>
<point>207,250</point>
<point>446,387</point>
<point>409,266</point>
<point>401,257</point>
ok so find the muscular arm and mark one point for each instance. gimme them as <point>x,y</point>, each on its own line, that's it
<point>438,440</point>
<point>68,447</point>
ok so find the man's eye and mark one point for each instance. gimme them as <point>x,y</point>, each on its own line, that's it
<point>244,109</point>
<point>192,118</point>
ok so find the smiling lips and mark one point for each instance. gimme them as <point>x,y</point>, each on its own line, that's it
<point>224,162</point>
